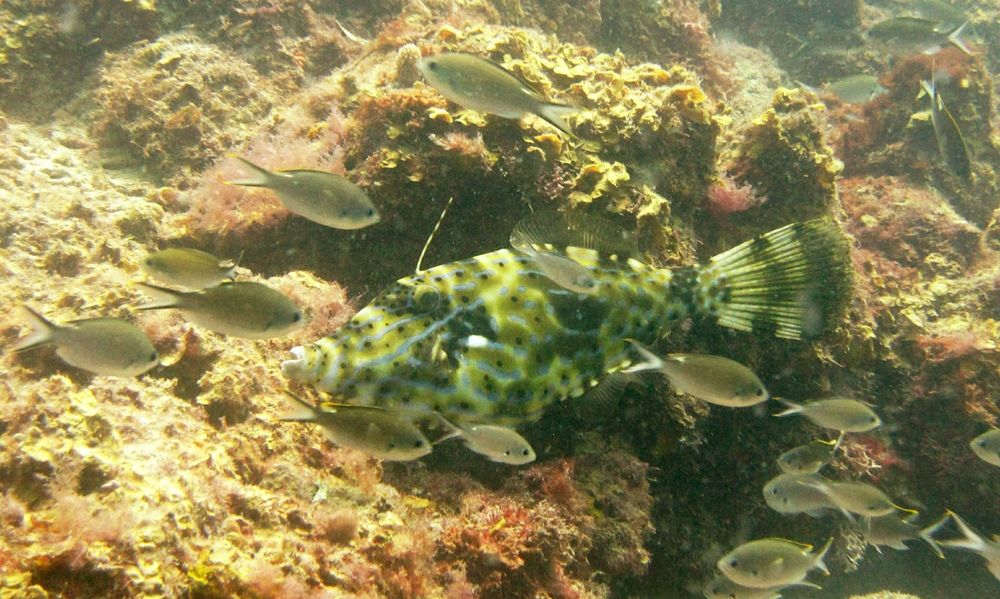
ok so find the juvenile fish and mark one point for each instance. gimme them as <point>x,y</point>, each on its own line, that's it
<point>858,89</point>
<point>241,309</point>
<point>723,588</point>
<point>951,143</point>
<point>990,550</point>
<point>769,563</point>
<point>478,84</point>
<point>188,268</point>
<point>498,443</point>
<point>911,35</point>
<point>105,346</point>
<point>795,494</point>
<point>987,446</point>
<point>855,498</point>
<point>892,531</point>
<point>377,432</point>
<point>846,415</point>
<point>713,379</point>
<point>809,458</point>
<point>321,197</point>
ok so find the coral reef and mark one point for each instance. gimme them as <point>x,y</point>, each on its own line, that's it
<point>182,483</point>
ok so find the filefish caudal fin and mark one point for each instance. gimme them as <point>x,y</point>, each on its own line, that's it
<point>790,280</point>
<point>492,339</point>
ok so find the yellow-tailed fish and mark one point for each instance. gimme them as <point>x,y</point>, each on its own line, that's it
<point>713,379</point>
<point>951,143</point>
<point>787,494</point>
<point>892,531</point>
<point>241,309</point>
<point>987,446</point>
<point>377,432</point>
<point>723,588</point>
<point>321,197</point>
<point>809,458</point>
<point>478,84</point>
<point>491,339</point>
<point>105,346</point>
<point>498,443</point>
<point>768,563</point>
<point>990,550</point>
<point>188,268</point>
<point>862,499</point>
<point>847,415</point>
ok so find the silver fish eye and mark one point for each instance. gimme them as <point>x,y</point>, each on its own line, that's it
<point>370,212</point>
<point>418,443</point>
<point>734,563</point>
<point>432,65</point>
<point>297,317</point>
<point>507,452</point>
<point>153,357</point>
<point>525,452</point>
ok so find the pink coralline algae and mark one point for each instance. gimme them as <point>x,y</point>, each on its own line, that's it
<point>728,196</point>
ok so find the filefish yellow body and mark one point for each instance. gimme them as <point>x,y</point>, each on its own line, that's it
<point>241,309</point>
<point>476,83</point>
<point>322,197</point>
<point>105,346</point>
<point>493,340</point>
<point>772,562</point>
<point>188,268</point>
<point>987,446</point>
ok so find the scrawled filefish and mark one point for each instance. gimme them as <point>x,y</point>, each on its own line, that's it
<point>493,340</point>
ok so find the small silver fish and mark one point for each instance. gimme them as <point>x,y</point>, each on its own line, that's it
<point>769,563</point>
<point>902,36</point>
<point>188,268</point>
<point>714,379</point>
<point>498,443</point>
<point>324,198</point>
<point>241,309</point>
<point>891,530</point>
<point>786,494</point>
<point>855,498</point>
<point>377,432</point>
<point>723,588</point>
<point>847,415</point>
<point>858,89</point>
<point>105,346</point>
<point>987,446</point>
<point>478,84</point>
<point>809,458</point>
<point>990,550</point>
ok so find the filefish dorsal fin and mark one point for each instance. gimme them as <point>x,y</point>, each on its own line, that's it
<point>557,231</point>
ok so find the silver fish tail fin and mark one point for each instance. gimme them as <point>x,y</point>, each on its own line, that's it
<point>822,554</point>
<point>927,534</point>
<point>793,408</point>
<point>259,180</point>
<point>956,39</point>
<point>453,429</point>
<point>41,330</point>
<point>971,542</point>
<point>790,281</point>
<point>553,114</point>
<point>302,411</point>
<point>162,297</point>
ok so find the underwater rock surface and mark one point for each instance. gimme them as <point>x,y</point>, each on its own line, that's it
<point>116,121</point>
